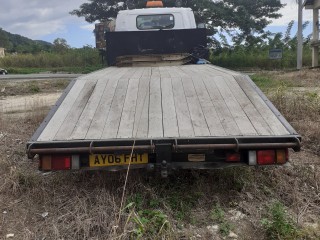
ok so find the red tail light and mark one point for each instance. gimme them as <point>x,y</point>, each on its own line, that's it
<point>266,157</point>
<point>61,162</point>
<point>57,162</point>
<point>233,157</point>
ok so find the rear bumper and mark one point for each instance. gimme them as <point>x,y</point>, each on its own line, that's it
<point>164,155</point>
<point>194,145</point>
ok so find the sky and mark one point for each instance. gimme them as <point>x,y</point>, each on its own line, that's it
<point>48,20</point>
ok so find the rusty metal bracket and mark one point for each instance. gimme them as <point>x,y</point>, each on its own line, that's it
<point>238,146</point>
<point>297,148</point>
<point>30,156</point>
<point>90,147</point>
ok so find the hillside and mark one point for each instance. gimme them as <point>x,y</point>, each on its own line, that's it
<point>20,44</point>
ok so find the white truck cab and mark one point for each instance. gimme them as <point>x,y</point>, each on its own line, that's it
<point>148,19</point>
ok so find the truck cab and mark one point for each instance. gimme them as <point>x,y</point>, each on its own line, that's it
<point>156,31</point>
<point>149,19</point>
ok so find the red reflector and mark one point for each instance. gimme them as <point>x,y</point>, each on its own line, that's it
<point>61,162</point>
<point>266,157</point>
<point>233,157</point>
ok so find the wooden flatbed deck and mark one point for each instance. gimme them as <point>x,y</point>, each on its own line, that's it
<point>191,101</point>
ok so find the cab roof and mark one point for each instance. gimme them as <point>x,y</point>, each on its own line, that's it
<point>146,11</point>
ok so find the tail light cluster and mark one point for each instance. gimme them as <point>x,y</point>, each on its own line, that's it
<point>55,162</point>
<point>268,157</point>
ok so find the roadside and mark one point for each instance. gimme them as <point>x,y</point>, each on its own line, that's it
<point>39,76</point>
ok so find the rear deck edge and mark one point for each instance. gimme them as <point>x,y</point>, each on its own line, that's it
<point>52,111</point>
<point>284,122</point>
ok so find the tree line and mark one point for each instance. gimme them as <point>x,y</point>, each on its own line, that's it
<point>244,21</point>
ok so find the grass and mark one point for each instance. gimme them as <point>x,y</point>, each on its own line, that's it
<point>83,60</point>
<point>13,88</point>
<point>218,216</point>
<point>252,58</point>
<point>297,96</point>
<point>267,82</point>
<point>27,70</point>
<point>34,87</point>
<point>278,225</point>
<point>148,223</point>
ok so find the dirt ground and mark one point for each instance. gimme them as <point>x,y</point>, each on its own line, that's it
<point>240,203</point>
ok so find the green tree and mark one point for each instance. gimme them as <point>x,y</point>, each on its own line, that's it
<point>4,40</point>
<point>243,20</point>
<point>60,45</point>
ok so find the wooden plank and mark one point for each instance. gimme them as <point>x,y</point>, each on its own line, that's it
<point>185,126</point>
<point>138,73</point>
<point>152,57</point>
<point>198,120</point>
<point>164,72</point>
<point>141,118</point>
<point>238,114</point>
<point>56,121</point>
<point>177,72</point>
<point>208,108</point>
<point>170,124</point>
<point>155,72</point>
<point>101,114</point>
<point>232,117</point>
<point>113,120</point>
<point>219,69</point>
<point>82,126</point>
<point>128,113</point>
<point>269,117</point>
<point>154,63</point>
<point>155,107</point>
<point>226,119</point>
<point>182,111</point>
<point>75,112</point>
<point>253,114</point>
<point>147,72</point>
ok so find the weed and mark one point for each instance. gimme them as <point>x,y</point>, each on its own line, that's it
<point>148,223</point>
<point>225,228</point>
<point>60,83</point>
<point>278,225</point>
<point>34,87</point>
<point>313,96</point>
<point>137,200</point>
<point>217,214</point>
<point>181,203</point>
<point>264,81</point>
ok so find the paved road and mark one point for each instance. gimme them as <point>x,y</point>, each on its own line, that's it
<point>40,76</point>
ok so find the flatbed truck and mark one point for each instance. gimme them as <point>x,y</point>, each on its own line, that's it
<point>160,115</point>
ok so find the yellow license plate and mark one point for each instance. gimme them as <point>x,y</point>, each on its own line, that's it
<point>105,160</point>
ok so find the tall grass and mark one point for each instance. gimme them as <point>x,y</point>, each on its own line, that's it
<point>258,59</point>
<point>71,58</point>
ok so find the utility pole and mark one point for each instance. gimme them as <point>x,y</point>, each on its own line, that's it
<point>299,36</point>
